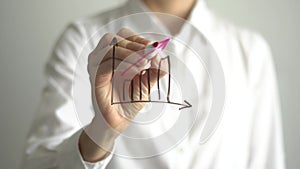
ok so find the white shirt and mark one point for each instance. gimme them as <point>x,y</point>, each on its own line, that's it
<point>249,134</point>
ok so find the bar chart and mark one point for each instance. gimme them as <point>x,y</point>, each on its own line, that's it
<point>138,87</point>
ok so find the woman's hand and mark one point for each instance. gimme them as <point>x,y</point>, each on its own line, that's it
<point>116,117</point>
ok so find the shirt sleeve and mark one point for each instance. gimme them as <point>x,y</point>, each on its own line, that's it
<point>53,138</point>
<point>266,150</point>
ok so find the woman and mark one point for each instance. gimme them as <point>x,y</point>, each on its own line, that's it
<point>249,135</point>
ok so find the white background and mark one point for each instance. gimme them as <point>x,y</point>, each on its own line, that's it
<point>29,29</point>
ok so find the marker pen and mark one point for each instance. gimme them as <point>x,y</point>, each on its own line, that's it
<point>151,50</point>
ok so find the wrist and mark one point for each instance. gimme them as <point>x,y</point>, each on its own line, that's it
<point>91,151</point>
<point>96,141</point>
<point>101,133</point>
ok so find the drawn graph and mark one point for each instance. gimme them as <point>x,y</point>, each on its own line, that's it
<point>133,87</point>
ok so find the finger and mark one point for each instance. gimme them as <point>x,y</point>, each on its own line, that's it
<point>120,65</point>
<point>105,43</point>
<point>106,66</point>
<point>134,46</point>
<point>108,40</point>
<point>160,63</point>
<point>132,36</point>
<point>137,89</point>
<point>145,84</point>
<point>118,52</point>
<point>100,52</point>
<point>124,54</point>
<point>140,86</point>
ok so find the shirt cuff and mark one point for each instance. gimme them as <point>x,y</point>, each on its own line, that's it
<point>69,156</point>
<point>102,163</point>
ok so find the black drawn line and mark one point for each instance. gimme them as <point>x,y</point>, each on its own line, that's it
<point>169,77</point>
<point>149,87</point>
<point>186,105</point>
<point>140,79</point>
<point>114,42</point>
<point>132,89</point>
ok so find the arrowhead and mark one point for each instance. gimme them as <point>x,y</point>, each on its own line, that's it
<point>186,105</point>
<point>163,44</point>
<point>114,42</point>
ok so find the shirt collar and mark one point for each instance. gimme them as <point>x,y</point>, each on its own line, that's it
<point>200,16</point>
